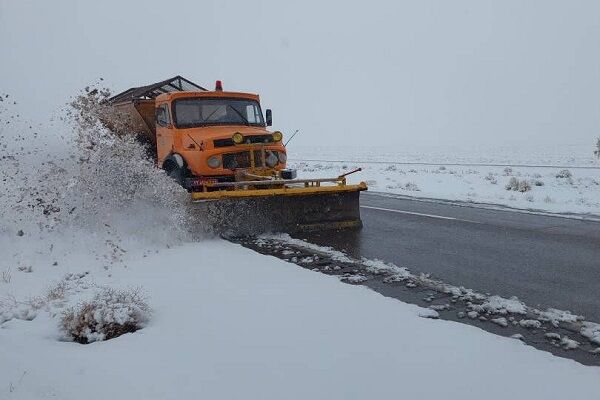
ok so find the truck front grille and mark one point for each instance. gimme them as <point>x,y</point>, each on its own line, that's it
<point>258,158</point>
<point>242,159</point>
<point>237,160</point>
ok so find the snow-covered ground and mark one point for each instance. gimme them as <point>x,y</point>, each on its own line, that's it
<point>229,323</point>
<point>565,180</point>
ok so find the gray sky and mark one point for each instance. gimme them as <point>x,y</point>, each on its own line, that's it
<point>398,72</point>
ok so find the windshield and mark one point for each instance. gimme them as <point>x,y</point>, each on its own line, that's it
<point>200,111</point>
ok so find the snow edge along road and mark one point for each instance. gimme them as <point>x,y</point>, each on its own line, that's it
<point>537,327</point>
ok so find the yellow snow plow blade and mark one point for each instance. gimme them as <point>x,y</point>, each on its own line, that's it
<point>253,207</point>
<point>282,191</point>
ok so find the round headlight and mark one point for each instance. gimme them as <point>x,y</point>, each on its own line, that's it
<point>282,157</point>
<point>237,138</point>
<point>277,136</point>
<point>271,159</point>
<point>214,161</point>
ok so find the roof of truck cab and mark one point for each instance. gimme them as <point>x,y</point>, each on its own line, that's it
<point>178,95</point>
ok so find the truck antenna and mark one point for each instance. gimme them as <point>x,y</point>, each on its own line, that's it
<point>291,137</point>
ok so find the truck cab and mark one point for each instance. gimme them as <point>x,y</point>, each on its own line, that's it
<point>216,136</point>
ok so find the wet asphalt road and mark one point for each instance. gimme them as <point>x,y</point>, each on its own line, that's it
<point>546,261</point>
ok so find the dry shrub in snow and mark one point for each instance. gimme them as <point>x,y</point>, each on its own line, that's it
<point>57,291</point>
<point>524,186</point>
<point>518,185</point>
<point>564,173</point>
<point>492,178</point>
<point>6,276</point>
<point>109,314</point>
<point>411,186</point>
<point>597,151</point>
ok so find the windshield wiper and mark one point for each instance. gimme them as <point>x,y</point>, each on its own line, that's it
<point>210,115</point>
<point>239,113</point>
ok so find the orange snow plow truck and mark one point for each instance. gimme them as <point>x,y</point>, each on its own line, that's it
<point>216,144</point>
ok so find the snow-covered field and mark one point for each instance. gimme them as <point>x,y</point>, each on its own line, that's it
<point>565,180</point>
<point>229,323</point>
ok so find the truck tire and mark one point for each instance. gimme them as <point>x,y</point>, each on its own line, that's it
<point>175,167</point>
<point>177,174</point>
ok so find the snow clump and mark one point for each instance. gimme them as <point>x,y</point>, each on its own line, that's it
<point>500,305</point>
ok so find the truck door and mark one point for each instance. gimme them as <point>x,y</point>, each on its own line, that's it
<point>164,132</point>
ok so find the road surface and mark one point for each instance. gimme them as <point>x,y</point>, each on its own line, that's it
<point>546,261</point>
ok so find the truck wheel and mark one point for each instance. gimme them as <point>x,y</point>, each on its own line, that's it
<point>177,174</point>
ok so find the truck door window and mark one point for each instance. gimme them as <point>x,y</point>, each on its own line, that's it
<point>162,115</point>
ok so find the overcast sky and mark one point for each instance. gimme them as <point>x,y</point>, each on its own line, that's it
<point>398,72</point>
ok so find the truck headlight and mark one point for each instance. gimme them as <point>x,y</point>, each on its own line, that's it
<point>271,159</point>
<point>277,136</point>
<point>237,138</point>
<point>282,157</point>
<point>214,161</point>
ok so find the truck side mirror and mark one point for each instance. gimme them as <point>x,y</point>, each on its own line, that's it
<point>269,117</point>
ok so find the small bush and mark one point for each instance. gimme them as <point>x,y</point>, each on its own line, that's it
<point>518,185</point>
<point>524,186</point>
<point>508,171</point>
<point>492,178</point>
<point>57,291</point>
<point>411,187</point>
<point>537,182</point>
<point>513,184</point>
<point>109,314</point>
<point>6,276</point>
<point>597,151</point>
<point>564,173</point>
